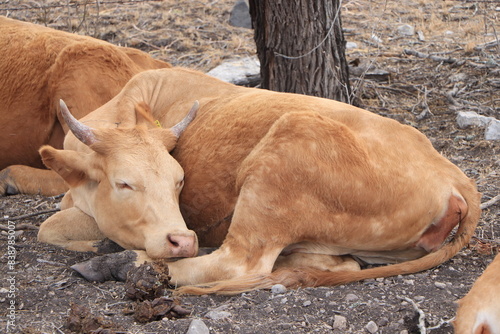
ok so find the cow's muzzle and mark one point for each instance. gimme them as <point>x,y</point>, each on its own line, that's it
<point>182,245</point>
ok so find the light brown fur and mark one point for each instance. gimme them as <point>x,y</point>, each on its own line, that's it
<point>39,66</point>
<point>267,172</point>
<point>479,310</point>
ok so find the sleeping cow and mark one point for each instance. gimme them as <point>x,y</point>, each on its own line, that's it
<point>39,66</point>
<point>479,310</point>
<point>300,184</point>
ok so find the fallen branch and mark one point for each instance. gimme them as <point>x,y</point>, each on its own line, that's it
<point>447,60</point>
<point>491,202</point>
<point>28,215</point>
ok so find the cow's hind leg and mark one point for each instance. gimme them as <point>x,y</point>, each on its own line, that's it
<point>72,229</point>
<point>18,179</point>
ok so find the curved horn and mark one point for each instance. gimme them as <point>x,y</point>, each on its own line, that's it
<point>179,128</point>
<point>81,131</point>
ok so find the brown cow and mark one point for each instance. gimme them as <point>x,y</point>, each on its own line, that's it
<point>479,310</point>
<point>39,66</point>
<point>266,174</point>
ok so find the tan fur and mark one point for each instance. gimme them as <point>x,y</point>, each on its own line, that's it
<point>479,310</point>
<point>266,171</point>
<point>39,66</point>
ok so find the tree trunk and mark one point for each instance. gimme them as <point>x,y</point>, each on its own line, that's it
<point>301,47</point>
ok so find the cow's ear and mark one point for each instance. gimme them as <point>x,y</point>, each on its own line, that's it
<point>74,167</point>
<point>165,136</point>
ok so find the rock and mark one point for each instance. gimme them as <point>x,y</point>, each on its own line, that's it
<point>351,298</point>
<point>339,322</point>
<point>493,131</point>
<point>421,36</point>
<point>218,315</point>
<point>371,327</point>
<point>278,288</point>
<point>306,303</point>
<point>245,71</point>
<point>197,326</point>
<point>440,285</point>
<point>351,45</point>
<point>468,118</point>
<point>240,15</point>
<point>376,39</point>
<point>406,30</point>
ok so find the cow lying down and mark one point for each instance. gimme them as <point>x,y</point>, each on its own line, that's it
<point>294,189</point>
<point>479,310</point>
<point>38,67</point>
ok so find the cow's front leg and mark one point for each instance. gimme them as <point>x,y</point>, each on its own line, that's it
<point>72,229</point>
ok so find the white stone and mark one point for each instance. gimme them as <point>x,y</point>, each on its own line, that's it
<point>351,297</point>
<point>406,30</point>
<point>376,39</point>
<point>278,288</point>
<point>351,45</point>
<point>371,327</point>
<point>440,285</point>
<point>339,322</point>
<point>218,315</point>
<point>493,130</point>
<point>197,327</point>
<point>237,70</point>
<point>468,118</point>
<point>306,303</point>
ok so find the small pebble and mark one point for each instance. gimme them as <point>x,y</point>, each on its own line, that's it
<point>371,327</point>
<point>197,326</point>
<point>440,285</point>
<point>351,297</point>
<point>339,322</point>
<point>218,315</point>
<point>278,288</point>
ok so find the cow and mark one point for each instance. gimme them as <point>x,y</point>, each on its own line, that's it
<point>479,310</point>
<point>39,66</point>
<point>289,187</point>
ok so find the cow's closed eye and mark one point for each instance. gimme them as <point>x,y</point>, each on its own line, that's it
<point>123,185</point>
<point>180,184</point>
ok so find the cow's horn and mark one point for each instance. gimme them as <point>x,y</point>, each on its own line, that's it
<point>81,131</point>
<point>182,125</point>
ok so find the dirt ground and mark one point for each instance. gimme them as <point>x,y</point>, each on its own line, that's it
<point>462,75</point>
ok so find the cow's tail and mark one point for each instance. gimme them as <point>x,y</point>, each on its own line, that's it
<point>309,277</point>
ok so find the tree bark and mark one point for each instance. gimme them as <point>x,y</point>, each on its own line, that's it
<point>301,47</point>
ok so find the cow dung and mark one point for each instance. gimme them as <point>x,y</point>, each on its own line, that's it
<point>157,309</point>
<point>81,320</point>
<point>147,282</point>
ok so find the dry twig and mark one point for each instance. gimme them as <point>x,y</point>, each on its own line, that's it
<point>28,215</point>
<point>491,202</point>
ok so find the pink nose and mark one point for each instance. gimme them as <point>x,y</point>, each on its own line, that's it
<point>182,245</point>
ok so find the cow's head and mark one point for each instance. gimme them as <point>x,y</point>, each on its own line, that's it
<point>129,183</point>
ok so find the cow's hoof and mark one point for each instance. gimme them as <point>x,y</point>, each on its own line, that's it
<point>110,267</point>
<point>7,187</point>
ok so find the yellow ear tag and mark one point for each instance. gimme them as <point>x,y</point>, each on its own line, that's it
<point>158,124</point>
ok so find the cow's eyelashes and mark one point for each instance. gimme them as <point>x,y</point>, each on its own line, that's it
<point>123,186</point>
